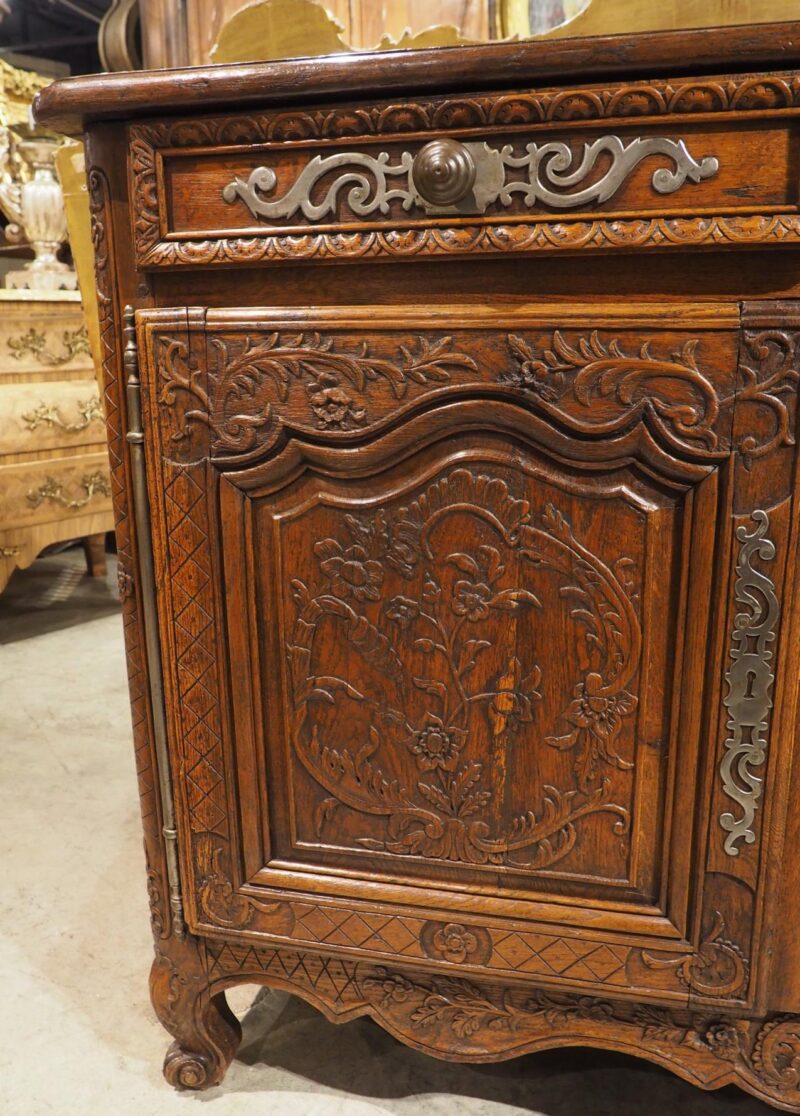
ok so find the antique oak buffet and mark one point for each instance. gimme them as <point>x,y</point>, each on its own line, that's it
<point>452,405</point>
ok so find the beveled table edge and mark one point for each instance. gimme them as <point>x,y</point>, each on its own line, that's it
<point>69,104</point>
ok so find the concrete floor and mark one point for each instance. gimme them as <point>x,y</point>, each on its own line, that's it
<point>77,1035</point>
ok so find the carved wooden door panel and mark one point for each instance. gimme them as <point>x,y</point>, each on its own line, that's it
<point>437,613</point>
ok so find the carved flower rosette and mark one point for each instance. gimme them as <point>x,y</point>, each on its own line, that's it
<point>421,711</point>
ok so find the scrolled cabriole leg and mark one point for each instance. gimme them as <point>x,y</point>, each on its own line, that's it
<point>206,1031</point>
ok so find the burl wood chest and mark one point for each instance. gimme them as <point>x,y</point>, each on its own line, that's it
<point>452,407</point>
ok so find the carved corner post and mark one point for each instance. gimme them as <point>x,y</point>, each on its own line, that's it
<point>135,439</point>
<point>748,814</point>
<point>103,234</point>
<point>205,1031</point>
<point>767,761</point>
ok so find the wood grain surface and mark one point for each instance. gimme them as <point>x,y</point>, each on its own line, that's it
<point>473,661</point>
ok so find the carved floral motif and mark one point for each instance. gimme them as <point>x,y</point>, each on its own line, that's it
<point>476,1020</point>
<point>233,399</point>
<point>467,1009</point>
<point>764,1056</point>
<point>773,1058</point>
<point>456,943</point>
<point>442,813</point>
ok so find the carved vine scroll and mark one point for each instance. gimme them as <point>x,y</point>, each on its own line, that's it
<point>484,1020</point>
<point>233,400</point>
<point>671,391</point>
<point>718,968</point>
<point>771,373</point>
<point>252,380</point>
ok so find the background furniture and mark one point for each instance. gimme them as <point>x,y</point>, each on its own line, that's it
<point>174,35</point>
<point>234,30</point>
<point>71,168</point>
<point>453,402</point>
<point>54,476</point>
<point>613,17</point>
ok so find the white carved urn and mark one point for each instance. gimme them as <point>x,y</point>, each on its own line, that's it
<point>34,205</point>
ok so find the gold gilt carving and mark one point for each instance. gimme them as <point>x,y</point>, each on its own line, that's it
<point>90,410</point>
<point>34,344</point>
<point>96,484</point>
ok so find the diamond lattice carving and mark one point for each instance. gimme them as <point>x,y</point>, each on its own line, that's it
<point>193,627</point>
<point>331,978</point>
<point>564,957</point>
<point>379,933</point>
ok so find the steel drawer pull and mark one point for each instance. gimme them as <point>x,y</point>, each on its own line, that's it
<point>472,176</point>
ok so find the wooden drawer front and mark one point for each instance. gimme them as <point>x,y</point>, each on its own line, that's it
<point>439,647</point>
<point>633,167</point>
<point>57,488</point>
<point>50,415</point>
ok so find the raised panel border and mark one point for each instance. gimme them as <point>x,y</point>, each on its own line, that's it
<point>635,442</point>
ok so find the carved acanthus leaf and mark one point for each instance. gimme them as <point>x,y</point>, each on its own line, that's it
<point>717,969</point>
<point>670,392</point>
<point>771,374</point>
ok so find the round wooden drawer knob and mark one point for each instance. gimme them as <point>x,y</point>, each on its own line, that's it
<point>444,171</point>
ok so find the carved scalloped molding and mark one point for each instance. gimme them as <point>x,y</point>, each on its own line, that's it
<point>474,1021</point>
<point>639,100</point>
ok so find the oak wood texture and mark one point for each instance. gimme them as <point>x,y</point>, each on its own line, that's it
<point>460,603</point>
<point>54,482</point>
<point>66,104</point>
<point>183,172</point>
